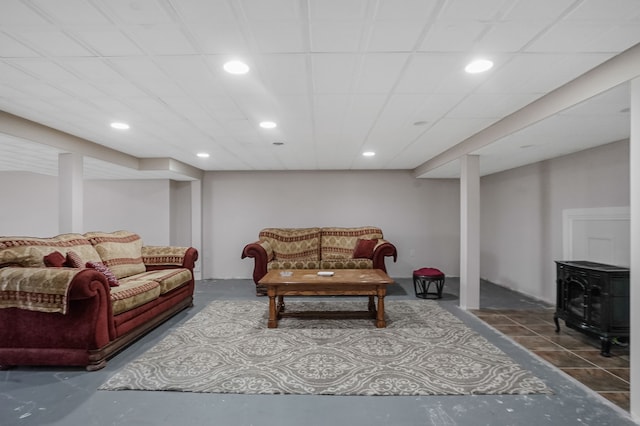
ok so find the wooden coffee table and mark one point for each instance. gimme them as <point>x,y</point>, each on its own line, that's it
<point>343,282</point>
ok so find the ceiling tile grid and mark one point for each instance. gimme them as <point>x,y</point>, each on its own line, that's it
<point>337,75</point>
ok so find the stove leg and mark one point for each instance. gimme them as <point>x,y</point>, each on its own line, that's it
<point>605,349</point>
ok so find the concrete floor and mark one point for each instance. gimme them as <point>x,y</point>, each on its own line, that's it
<point>68,396</point>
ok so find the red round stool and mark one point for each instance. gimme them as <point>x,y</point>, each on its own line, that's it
<point>422,280</point>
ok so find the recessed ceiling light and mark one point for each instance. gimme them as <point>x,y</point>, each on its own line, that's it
<point>420,123</point>
<point>268,125</point>
<point>119,125</point>
<point>278,143</point>
<point>202,155</point>
<point>368,153</point>
<point>236,67</point>
<point>479,65</point>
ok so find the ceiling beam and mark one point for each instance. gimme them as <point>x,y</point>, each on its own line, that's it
<point>615,71</point>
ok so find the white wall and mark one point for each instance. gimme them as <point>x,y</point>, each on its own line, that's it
<point>28,204</point>
<point>521,213</point>
<point>140,206</point>
<point>419,216</point>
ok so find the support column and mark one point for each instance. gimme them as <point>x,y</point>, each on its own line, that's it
<point>470,232</point>
<point>70,193</point>
<point>634,168</point>
<point>196,224</point>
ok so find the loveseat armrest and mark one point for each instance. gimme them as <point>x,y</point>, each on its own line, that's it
<point>165,257</point>
<point>262,252</point>
<point>383,249</point>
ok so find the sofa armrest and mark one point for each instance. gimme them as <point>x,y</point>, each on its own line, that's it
<point>46,289</point>
<point>164,257</point>
<point>29,337</point>
<point>262,253</point>
<point>383,249</point>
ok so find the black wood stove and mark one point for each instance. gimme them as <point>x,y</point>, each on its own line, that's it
<point>593,298</point>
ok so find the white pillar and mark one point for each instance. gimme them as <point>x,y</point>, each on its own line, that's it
<point>70,192</point>
<point>196,224</point>
<point>470,232</point>
<point>634,168</point>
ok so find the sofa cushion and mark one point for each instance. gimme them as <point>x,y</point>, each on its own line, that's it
<point>167,278</point>
<point>29,252</point>
<point>120,251</point>
<point>339,243</point>
<point>132,293</point>
<point>293,244</point>
<point>364,248</point>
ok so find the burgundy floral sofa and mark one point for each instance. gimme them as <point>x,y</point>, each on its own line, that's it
<point>318,248</point>
<point>78,299</point>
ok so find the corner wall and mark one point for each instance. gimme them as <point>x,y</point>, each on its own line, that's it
<point>521,213</point>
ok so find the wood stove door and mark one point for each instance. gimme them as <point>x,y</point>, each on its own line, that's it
<point>577,298</point>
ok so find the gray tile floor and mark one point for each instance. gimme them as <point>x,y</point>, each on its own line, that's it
<point>68,396</point>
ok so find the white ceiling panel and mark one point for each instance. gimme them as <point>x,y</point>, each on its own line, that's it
<point>475,10</point>
<point>107,41</point>
<point>385,36</point>
<point>272,10</point>
<point>225,37</point>
<point>204,11</point>
<point>619,10</point>
<point>72,12</point>
<point>285,74</point>
<point>327,37</point>
<point>18,12</point>
<point>406,10</point>
<point>337,10</point>
<point>453,36</point>
<point>538,10</point>
<point>333,73</point>
<point>10,48</point>
<point>143,12</point>
<point>161,40</point>
<point>336,75</point>
<point>380,72</point>
<point>51,42</point>
<point>279,36</point>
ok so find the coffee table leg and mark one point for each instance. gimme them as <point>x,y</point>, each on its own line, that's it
<point>372,304</point>
<point>280,307</point>
<point>273,314</point>
<point>380,321</point>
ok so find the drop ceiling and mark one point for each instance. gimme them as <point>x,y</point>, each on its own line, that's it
<point>339,77</point>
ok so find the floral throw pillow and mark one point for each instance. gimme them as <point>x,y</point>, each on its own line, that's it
<point>101,267</point>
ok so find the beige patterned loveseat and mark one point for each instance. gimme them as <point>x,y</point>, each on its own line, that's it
<point>76,300</point>
<point>318,248</point>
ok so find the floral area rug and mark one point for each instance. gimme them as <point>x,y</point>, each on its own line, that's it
<point>425,350</point>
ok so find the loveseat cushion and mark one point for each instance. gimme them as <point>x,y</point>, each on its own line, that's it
<point>294,264</point>
<point>167,278</point>
<point>293,244</point>
<point>29,252</point>
<point>346,264</point>
<point>120,251</point>
<point>339,243</point>
<point>132,293</point>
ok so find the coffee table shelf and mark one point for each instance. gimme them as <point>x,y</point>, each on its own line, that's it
<point>344,282</point>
